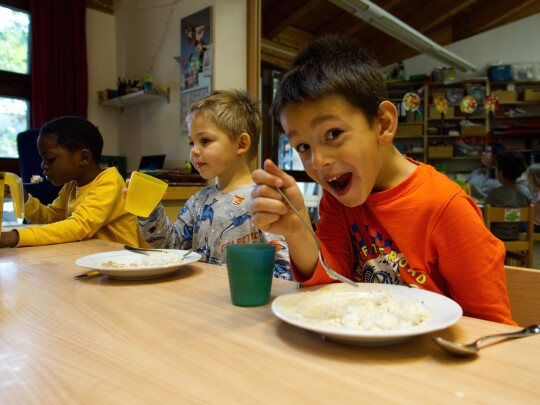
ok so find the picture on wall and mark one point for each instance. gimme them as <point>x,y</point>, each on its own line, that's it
<point>195,59</point>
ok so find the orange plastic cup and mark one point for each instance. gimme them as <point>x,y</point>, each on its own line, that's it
<point>144,193</point>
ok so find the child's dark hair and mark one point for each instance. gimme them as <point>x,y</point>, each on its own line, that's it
<point>333,65</point>
<point>74,133</point>
<point>511,163</point>
<point>495,149</point>
<point>533,177</point>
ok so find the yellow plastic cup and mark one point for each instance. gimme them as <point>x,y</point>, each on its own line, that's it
<point>144,193</point>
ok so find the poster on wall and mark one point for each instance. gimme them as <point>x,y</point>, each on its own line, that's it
<point>195,60</point>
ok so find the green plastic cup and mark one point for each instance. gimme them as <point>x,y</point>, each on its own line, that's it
<point>250,268</point>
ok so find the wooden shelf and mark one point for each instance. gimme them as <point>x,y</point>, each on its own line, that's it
<point>458,118</point>
<point>418,136</point>
<point>489,121</point>
<point>514,117</point>
<point>520,102</point>
<point>455,158</point>
<point>138,97</point>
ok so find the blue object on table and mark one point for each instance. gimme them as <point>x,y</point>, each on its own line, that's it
<point>30,162</point>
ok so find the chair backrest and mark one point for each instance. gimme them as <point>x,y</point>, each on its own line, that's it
<point>513,215</point>
<point>30,163</point>
<point>523,286</point>
<point>465,186</point>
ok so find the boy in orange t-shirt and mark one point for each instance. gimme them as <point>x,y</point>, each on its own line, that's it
<point>384,218</point>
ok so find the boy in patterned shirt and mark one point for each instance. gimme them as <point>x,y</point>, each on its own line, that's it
<point>224,133</point>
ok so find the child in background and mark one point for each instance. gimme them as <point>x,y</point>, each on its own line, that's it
<point>483,180</point>
<point>509,166</point>
<point>533,180</point>
<point>384,218</point>
<point>90,203</point>
<point>224,133</point>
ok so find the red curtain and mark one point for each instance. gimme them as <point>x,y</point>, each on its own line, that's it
<point>58,59</point>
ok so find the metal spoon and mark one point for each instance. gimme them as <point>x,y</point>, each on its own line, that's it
<point>459,349</point>
<point>331,272</point>
<point>144,251</point>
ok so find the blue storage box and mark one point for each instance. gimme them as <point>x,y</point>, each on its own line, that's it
<point>500,73</point>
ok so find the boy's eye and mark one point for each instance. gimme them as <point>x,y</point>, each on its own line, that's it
<point>334,133</point>
<point>205,141</point>
<point>191,143</point>
<point>303,147</point>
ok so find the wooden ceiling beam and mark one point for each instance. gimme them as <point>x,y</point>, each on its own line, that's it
<point>388,50</point>
<point>494,15</point>
<point>443,11</point>
<point>294,38</point>
<point>273,60</point>
<point>286,13</point>
<point>349,25</point>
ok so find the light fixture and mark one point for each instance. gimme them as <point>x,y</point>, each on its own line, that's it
<point>386,22</point>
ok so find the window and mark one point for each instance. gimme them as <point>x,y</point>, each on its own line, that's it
<point>15,82</point>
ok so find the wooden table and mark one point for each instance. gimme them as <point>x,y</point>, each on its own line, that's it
<point>180,340</point>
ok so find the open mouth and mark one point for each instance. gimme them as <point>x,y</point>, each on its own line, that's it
<point>340,182</point>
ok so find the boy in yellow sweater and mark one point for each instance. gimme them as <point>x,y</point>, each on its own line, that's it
<point>90,203</point>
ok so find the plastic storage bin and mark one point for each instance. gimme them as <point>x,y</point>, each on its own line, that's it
<point>500,73</point>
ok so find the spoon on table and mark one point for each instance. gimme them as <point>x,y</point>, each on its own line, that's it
<point>144,251</point>
<point>472,349</point>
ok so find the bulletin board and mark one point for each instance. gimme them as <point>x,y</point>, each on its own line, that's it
<point>195,60</point>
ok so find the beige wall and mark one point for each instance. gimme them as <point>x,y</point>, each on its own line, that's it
<point>514,42</point>
<point>101,54</point>
<point>146,41</point>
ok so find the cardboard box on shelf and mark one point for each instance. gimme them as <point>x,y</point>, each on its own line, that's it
<point>443,151</point>
<point>411,129</point>
<point>473,130</point>
<point>531,94</point>
<point>506,96</point>
<point>434,113</point>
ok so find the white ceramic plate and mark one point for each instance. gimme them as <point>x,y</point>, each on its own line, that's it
<point>138,266</point>
<point>292,307</point>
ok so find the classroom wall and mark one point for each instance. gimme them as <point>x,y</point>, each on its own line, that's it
<point>101,55</point>
<point>143,36</point>
<point>514,42</point>
<point>146,41</point>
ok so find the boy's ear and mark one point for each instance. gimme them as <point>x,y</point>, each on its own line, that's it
<point>85,157</point>
<point>244,142</point>
<point>388,120</point>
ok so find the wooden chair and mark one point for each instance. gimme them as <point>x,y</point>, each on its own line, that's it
<point>465,186</point>
<point>521,250</point>
<point>523,286</point>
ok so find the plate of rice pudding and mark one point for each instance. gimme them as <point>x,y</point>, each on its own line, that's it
<point>372,314</point>
<point>127,265</point>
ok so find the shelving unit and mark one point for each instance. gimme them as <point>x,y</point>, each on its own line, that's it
<point>516,123</point>
<point>452,145</point>
<point>410,136</point>
<point>138,97</point>
<point>457,150</point>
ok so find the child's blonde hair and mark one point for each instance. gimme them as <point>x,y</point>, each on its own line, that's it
<point>234,112</point>
<point>533,177</point>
